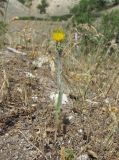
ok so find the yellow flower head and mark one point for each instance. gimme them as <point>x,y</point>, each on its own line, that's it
<point>58,35</point>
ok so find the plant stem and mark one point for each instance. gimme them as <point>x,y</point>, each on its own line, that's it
<point>59,84</point>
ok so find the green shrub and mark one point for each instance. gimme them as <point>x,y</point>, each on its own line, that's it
<point>86,10</point>
<point>27,3</point>
<point>110,25</point>
<point>22,1</point>
<point>42,7</point>
<point>101,4</point>
<point>116,2</point>
<point>83,11</point>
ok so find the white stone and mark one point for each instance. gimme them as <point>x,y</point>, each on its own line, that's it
<point>40,61</point>
<point>83,157</point>
<point>35,98</point>
<point>71,117</point>
<point>29,75</point>
<point>80,131</point>
<point>54,96</point>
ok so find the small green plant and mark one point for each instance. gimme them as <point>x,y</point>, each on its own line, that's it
<point>69,154</point>
<point>2,28</point>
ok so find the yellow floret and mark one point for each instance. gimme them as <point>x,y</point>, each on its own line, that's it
<point>58,35</point>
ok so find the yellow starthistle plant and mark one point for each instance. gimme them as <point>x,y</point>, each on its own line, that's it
<point>58,35</point>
